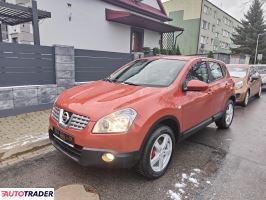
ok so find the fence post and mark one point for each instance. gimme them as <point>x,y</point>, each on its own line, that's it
<point>64,67</point>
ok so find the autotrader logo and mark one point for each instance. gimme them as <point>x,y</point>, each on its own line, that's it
<point>27,193</point>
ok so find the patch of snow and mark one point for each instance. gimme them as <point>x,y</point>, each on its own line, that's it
<point>174,196</point>
<point>181,191</point>
<point>184,176</point>
<point>197,170</point>
<point>24,140</point>
<point>208,182</point>
<point>193,180</point>
<point>192,174</point>
<point>180,185</point>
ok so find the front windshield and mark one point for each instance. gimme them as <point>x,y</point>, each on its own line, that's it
<point>157,73</point>
<point>238,72</point>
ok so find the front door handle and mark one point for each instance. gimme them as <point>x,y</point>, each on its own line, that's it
<point>210,91</point>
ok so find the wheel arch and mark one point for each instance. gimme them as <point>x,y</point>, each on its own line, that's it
<point>233,98</point>
<point>168,120</point>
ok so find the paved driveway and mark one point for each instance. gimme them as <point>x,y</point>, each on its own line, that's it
<point>213,164</point>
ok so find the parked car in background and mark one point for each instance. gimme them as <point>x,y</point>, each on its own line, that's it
<point>135,116</point>
<point>262,71</point>
<point>247,80</point>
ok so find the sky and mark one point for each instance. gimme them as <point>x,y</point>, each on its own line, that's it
<point>236,8</point>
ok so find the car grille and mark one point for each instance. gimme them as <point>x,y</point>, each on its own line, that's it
<point>76,121</point>
<point>55,113</point>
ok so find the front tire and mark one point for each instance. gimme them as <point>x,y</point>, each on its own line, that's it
<point>157,153</point>
<point>228,116</point>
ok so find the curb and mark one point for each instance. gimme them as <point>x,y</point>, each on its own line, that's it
<point>19,150</point>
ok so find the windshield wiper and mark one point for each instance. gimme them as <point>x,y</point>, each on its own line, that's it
<point>129,83</point>
<point>108,80</point>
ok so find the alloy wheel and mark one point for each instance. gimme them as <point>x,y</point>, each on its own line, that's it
<point>161,152</point>
<point>259,94</point>
<point>229,114</point>
<point>246,99</point>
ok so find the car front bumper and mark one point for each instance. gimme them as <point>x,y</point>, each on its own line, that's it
<point>93,157</point>
<point>240,96</point>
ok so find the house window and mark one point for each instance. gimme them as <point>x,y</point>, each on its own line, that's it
<point>213,28</point>
<point>212,41</point>
<point>204,40</point>
<point>205,25</point>
<point>205,9</point>
<point>210,11</point>
<point>226,33</point>
<point>215,14</point>
<point>218,21</point>
<point>137,38</point>
<point>216,34</point>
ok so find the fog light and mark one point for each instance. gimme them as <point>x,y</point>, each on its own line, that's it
<point>108,157</point>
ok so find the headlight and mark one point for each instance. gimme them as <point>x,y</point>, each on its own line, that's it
<point>239,85</point>
<point>116,122</point>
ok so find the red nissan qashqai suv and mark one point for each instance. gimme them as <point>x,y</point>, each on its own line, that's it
<point>134,117</point>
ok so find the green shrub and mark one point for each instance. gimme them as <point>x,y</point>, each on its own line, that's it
<point>164,51</point>
<point>210,54</point>
<point>156,51</point>
<point>177,51</point>
<point>146,49</point>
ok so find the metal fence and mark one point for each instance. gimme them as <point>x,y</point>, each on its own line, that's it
<point>26,65</point>
<point>168,40</point>
<point>22,64</point>
<point>94,65</point>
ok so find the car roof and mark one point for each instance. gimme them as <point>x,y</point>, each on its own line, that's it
<point>239,65</point>
<point>184,58</point>
<point>259,65</point>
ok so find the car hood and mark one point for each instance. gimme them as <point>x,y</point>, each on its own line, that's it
<point>236,80</point>
<point>100,98</point>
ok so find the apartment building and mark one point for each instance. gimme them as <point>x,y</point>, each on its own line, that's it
<point>207,27</point>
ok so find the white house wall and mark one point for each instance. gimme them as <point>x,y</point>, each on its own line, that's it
<point>88,28</point>
<point>151,39</point>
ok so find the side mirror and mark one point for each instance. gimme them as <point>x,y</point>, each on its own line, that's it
<point>196,85</point>
<point>254,77</point>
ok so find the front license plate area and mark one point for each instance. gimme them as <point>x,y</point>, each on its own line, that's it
<point>63,137</point>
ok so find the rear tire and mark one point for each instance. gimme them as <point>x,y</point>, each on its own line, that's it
<point>156,152</point>
<point>246,101</point>
<point>259,93</point>
<point>228,116</point>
